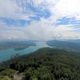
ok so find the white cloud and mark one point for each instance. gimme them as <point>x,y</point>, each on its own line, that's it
<point>44,29</point>
<point>7,8</point>
<point>68,8</point>
<point>14,8</point>
<point>10,8</point>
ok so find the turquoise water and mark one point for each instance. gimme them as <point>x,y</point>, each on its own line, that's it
<point>7,54</point>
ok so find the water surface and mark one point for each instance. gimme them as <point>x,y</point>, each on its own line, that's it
<point>8,53</point>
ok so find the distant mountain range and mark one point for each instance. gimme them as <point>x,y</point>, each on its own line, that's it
<point>73,45</point>
<point>16,44</point>
<point>70,45</point>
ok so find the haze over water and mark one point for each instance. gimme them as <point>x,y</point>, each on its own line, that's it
<point>11,52</point>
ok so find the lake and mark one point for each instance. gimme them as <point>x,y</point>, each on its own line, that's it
<point>8,53</point>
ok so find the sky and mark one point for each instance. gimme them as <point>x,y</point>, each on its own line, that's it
<point>39,19</point>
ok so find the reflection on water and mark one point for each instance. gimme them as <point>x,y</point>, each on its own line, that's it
<point>7,54</point>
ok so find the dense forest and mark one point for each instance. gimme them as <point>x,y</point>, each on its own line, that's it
<point>43,64</point>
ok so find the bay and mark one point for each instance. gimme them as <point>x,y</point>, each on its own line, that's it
<point>11,52</point>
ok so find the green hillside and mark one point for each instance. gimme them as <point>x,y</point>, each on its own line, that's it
<point>44,64</point>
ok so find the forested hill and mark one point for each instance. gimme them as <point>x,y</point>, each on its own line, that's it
<point>70,45</point>
<point>44,64</point>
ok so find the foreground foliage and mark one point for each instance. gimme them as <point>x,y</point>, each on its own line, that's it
<point>44,64</point>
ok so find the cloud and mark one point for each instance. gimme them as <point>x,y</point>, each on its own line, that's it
<point>41,30</point>
<point>7,8</point>
<point>47,31</point>
<point>68,8</point>
<point>14,22</point>
<point>68,21</point>
<point>22,12</point>
<point>23,8</point>
<point>39,19</point>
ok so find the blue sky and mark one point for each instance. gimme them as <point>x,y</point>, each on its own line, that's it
<point>30,19</point>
